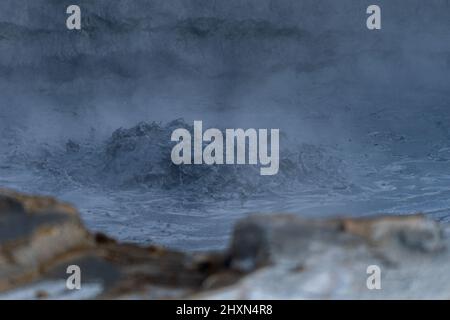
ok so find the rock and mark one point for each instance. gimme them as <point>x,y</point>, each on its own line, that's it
<point>270,257</point>
<point>262,240</point>
<point>34,232</point>
<point>287,257</point>
<point>40,238</point>
<point>395,236</point>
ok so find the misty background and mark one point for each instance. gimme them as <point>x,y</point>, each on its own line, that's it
<point>87,115</point>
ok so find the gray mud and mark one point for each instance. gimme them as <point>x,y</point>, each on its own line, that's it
<point>87,116</point>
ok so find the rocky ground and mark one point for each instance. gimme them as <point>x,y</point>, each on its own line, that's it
<point>269,257</point>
